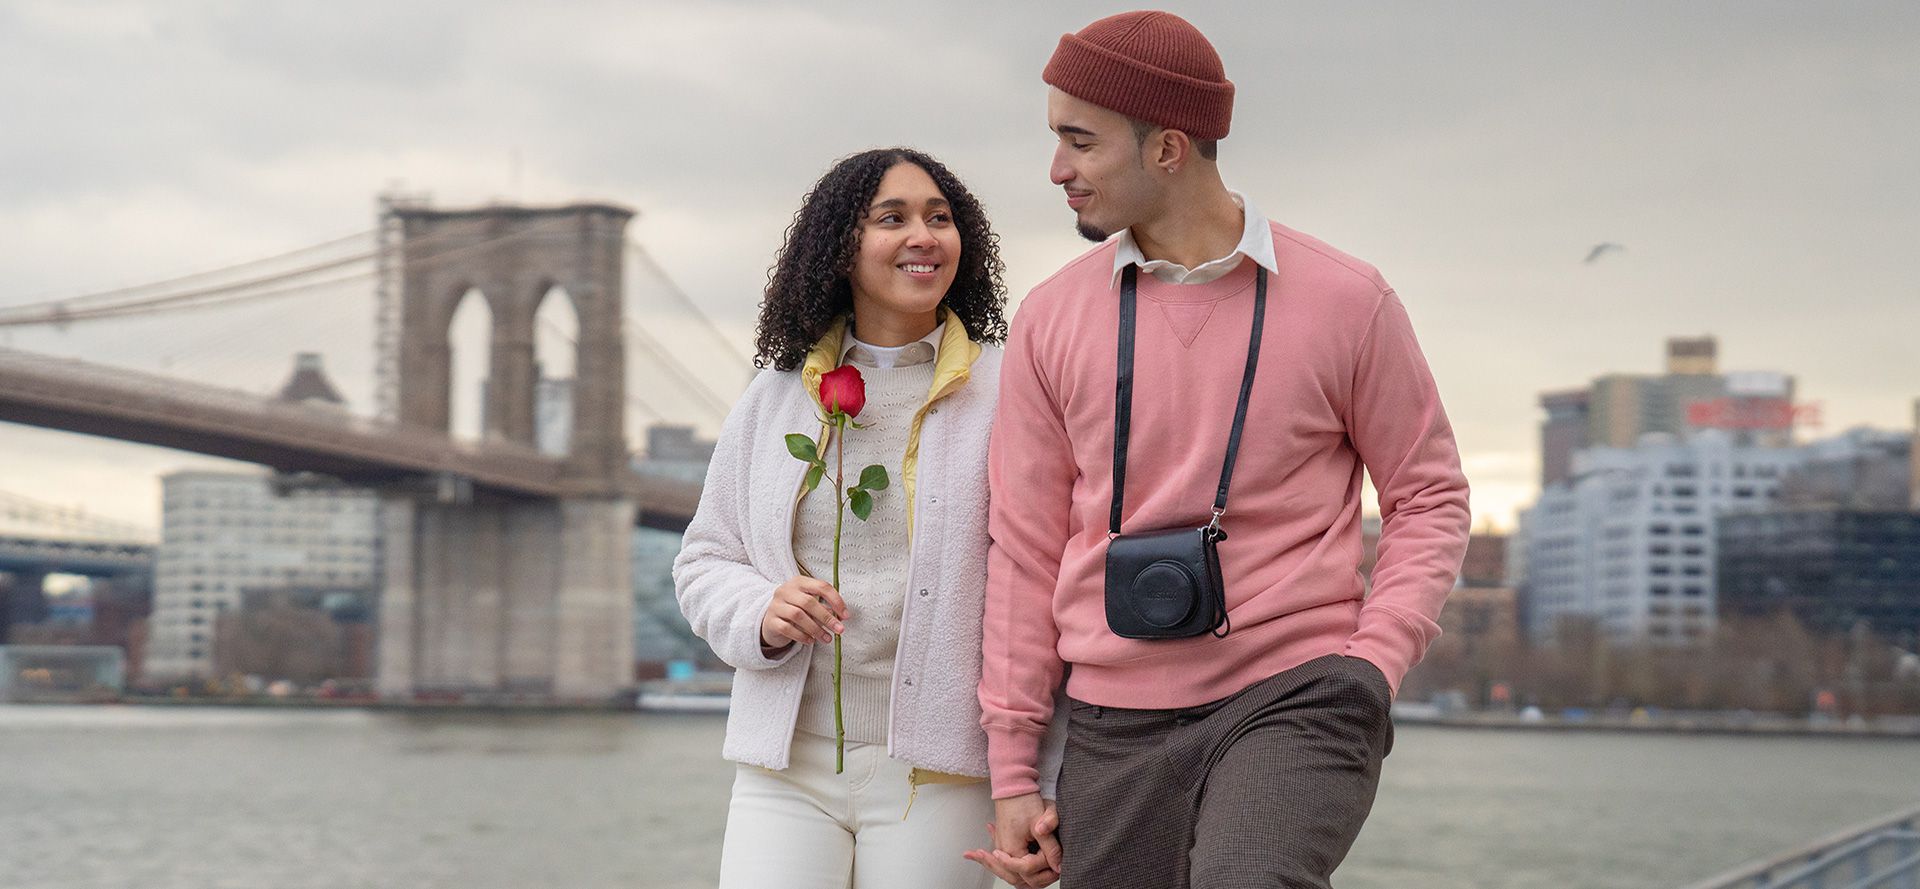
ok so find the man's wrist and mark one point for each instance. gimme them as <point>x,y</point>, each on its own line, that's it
<point>1012,758</point>
<point>1017,799</point>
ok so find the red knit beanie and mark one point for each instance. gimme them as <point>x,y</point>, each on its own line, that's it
<point>1154,66</point>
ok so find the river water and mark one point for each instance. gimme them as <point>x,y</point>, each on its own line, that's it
<point>193,798</point>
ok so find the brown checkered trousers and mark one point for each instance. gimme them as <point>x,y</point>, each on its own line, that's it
<point>1267,787</point>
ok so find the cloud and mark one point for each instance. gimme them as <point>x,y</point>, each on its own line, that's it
<point>108,479</point>
<point>1756,155</point>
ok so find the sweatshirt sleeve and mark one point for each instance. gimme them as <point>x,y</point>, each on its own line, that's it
<point>1400,429</point>
<point>720,592</point>
<point>1030,468</point>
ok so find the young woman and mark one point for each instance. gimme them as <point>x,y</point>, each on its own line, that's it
<point>890,267</point>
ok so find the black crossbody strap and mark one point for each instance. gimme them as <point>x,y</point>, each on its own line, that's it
<point>1246,390</point>
<point>1123,393</point>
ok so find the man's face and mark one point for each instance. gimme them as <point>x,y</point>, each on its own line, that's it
<point>1101,165</point>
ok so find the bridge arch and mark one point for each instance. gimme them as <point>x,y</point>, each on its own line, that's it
<point>518,256</point>
<point>556,352</point>
<point>469,336</point>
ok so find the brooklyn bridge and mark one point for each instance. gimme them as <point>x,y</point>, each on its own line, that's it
<point>503,564</point>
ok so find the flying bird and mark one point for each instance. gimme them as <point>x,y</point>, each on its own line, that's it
<point>1603,249</point>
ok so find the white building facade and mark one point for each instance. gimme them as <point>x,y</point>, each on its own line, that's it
<point>223,533</point>
<point>1628,541</point>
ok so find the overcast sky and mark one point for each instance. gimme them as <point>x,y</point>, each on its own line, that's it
<point>1757,160</point>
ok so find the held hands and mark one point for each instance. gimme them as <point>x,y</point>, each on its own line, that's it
<point>1024,823</point>
<point>804,609</point>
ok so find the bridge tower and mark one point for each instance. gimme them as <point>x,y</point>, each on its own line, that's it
<point>498,594</point>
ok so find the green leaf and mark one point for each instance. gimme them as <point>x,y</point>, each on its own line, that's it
<point>874,478</point>
<point>802,447</point>
<point>862,503</point>
<point>814,473</point>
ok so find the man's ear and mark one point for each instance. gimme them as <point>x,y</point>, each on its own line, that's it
<point>1170,150</point>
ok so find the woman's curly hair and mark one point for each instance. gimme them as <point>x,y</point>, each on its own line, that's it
<point>809,286</point>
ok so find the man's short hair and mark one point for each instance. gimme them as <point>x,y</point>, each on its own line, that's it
<point>1208,148</point>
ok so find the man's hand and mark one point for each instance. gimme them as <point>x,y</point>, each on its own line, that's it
<point>1026,854</point>
<point>803,610</point>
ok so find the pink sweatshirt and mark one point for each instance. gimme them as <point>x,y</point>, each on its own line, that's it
<point>1341,385</point>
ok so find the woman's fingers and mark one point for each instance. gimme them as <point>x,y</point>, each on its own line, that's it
<point>820,589</point>
<point>804,621</point>
<point>995,861</point>
<point>982,858</point>
<point>804,609</point>
<point>1029,870</point>
<point>808,594</point>
<point>822,616</point>
<point>788,631</point>
<point>833,600</point>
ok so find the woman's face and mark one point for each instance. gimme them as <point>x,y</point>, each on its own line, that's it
<point>909,249</point>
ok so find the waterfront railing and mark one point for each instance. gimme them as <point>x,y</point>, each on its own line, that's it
<point>1881,854</point>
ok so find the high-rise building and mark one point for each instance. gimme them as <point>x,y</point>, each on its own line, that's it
<point>1832,567</point>
<point>1563,432</point>
<point>1693,355</point>
<point>1913,461</point>
<point>1858,469</point>
<point>1616,410</point>
<point>1629,540</point>
<point>224,534</point>
<point>1842,547</point>
<point>1623,407</point>
<point>553,416</point>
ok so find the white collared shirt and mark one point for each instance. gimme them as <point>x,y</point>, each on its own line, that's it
<point>920,351</point>
<point>1256,243</point>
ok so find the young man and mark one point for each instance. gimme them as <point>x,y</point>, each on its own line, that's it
<point>1247,755</point>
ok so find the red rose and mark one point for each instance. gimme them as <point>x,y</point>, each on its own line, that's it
<point>843,390</point>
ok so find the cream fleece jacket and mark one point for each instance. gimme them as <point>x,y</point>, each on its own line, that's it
<point>739,548</point>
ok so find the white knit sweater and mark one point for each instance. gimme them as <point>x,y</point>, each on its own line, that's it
<point>873,576</point>
<point>739,548</point>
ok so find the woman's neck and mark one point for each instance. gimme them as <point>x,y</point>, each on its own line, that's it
<point>879,326</point>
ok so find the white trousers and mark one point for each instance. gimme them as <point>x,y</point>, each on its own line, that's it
<point>808,828</point>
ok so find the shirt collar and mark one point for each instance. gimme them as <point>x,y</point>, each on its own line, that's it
<point>1256,243</point>
<point>921,351</point>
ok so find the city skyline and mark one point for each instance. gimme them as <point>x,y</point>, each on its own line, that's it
<point>1749,158</point>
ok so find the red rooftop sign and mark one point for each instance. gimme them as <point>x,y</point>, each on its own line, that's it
<point>1752,413</point>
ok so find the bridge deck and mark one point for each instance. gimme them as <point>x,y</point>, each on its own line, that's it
<point>96,399</point>
<point>96,558</point>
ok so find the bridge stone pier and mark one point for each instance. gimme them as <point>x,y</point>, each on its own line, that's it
<point>23,600</point>
<point>492,593</point>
